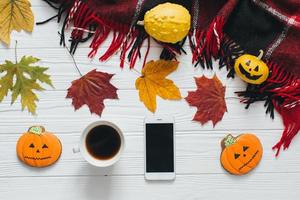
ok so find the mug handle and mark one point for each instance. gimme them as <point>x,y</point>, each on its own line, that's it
<point>76,150</point>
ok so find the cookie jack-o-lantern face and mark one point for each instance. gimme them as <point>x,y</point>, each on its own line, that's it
<point>251,69</point>
<point>38,148</point>
<point>240,154</point>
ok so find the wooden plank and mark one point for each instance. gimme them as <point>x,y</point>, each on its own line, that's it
<point>63,71</point>
<point>197,152</point>
<point>200,175</point>
<point>57,114</point>
<point>207,186</point>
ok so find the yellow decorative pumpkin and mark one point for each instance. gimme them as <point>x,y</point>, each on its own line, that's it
<point>251,69</point>
<point>38,148</point>
<point>167,22</point>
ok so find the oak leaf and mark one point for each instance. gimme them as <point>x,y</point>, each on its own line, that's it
<point>153,83</point>
<point>15,15</point>
<point>21,79</point>
<point>209,98</point>
<point>91,90</point>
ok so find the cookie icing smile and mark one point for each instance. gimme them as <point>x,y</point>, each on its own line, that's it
<point>247,163</point>
<point>35,158</point>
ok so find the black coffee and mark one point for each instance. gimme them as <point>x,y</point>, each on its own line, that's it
<point>103,142</point>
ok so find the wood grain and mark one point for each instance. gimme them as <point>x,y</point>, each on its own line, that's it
<point>188,187</point>
<point>199,173</point>
<point>197,152</point>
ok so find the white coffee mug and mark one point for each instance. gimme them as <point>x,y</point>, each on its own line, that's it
<point>85,153</point>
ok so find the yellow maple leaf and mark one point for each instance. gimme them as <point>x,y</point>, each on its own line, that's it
<point>153,82</point>
<point>15,15</point>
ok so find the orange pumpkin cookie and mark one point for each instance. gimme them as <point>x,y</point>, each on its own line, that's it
<point>240,154</point>
<point>38,148</point>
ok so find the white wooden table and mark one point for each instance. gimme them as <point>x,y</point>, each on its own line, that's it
<point>199,173</point>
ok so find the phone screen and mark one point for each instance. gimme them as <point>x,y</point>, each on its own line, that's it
<point>159,147</point>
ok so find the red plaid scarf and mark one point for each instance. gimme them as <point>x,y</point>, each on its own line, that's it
<point>221,29</point>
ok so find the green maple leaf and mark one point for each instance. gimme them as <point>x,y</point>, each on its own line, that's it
<point>22,79</point>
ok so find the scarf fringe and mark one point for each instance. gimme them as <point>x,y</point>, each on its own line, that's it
<point>124,38</point>
<point>229,52</point>
<point>206,44</point>
<point>88,24</point>
<point>135,44</point>
<point>291,121</point>
<point>282,92</point>
<point>170,51</point>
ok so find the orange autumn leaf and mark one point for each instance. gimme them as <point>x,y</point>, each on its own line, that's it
<point>209,98</point>
<point>153,83</point>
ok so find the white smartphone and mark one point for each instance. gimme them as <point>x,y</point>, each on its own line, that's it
<point>159,148</point>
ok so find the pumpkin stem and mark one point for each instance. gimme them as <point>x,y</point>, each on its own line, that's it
<point>229,140</point>
<point>38,130</point>
<point>261,54</point>
<point>140,23</point>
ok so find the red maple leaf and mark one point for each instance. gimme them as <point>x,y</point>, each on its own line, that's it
<point>92,89</point>
<point>209,98</point>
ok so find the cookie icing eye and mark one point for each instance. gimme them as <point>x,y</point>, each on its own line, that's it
<point>236,156</point>
<point>45,146</point>
<point>31,145</point>
<point>245,148</point>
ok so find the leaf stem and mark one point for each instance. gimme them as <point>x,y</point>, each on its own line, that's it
<point>74,61</point>
<point>16,55</point>
<point>136,71</point>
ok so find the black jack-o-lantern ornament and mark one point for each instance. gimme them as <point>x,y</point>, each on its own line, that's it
<point>251,69</point>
